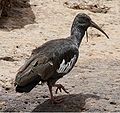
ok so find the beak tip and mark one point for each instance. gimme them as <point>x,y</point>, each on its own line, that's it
<point>93,24</point>
<point>108,37</point>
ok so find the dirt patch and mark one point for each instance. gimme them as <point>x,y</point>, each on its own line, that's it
<point>96,8</point>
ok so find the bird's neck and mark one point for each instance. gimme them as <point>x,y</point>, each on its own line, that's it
<point>77,33</point>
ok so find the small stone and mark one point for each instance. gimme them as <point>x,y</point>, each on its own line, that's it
<point>45,39</point>
<point>106,98</point>
<point>113,103</point>
<point>45,96</point>
<point>17,46</point>
<point>95,92</point>
<point>35,5</point>
<point>105,109</point>
<point>73,86</point>
<point>110,52</point>
<point>37,97</point>
<point>98,35</point>
<point>90,71</point>
<point>26,102</point>
<point>93,44</point>
<point>38,102</point>
<point>2,104</point>
<point>7,86</point>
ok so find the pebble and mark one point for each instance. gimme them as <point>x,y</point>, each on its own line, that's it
<point>2,104</point>
<point>7,86</point>
<point>113,103</point>
<point>73,86</point>
<point>45,96</point>
<point>26,102</point>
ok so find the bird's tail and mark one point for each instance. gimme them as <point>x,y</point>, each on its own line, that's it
<point>27,77</point>
<point>28,87</point>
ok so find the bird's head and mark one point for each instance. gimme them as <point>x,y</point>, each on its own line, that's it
<point>84,21</point>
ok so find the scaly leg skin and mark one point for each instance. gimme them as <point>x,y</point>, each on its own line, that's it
<point>53,100</point>
<point>60,88</point>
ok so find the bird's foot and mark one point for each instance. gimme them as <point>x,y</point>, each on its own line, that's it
<point>60,88</point>
<point>57,100</point>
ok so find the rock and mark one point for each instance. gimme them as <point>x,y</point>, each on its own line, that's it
<point>45,96</point>
<point>7,86</point>
<point>2,104</point>
<point>7,58</point>
<point>113,103</point>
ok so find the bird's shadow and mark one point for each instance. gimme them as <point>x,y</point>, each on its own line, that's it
<point>19,15</point>
<point>71,103</point>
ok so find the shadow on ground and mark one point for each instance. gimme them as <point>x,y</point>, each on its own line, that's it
<point>72,103</point>
<point>19,15</point>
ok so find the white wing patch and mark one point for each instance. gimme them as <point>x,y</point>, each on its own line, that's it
<point>64,68</point>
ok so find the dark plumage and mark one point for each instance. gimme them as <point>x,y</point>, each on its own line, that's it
<point>54,59</point>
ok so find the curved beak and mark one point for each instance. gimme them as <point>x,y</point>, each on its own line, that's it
<point>93,24</point>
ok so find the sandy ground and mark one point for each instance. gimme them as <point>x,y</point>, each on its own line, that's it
<point>94,83</point>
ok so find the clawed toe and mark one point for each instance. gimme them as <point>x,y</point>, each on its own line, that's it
<point>60,88</point>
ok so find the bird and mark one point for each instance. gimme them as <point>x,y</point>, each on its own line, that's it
<point>54,59</point>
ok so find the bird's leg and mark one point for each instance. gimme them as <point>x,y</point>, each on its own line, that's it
<point>51,94</point>
<point>53,100</point>
<point>60,88</point>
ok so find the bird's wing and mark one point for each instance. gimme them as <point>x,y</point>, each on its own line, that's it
<point>67,60</point>
<point>34,66</point>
